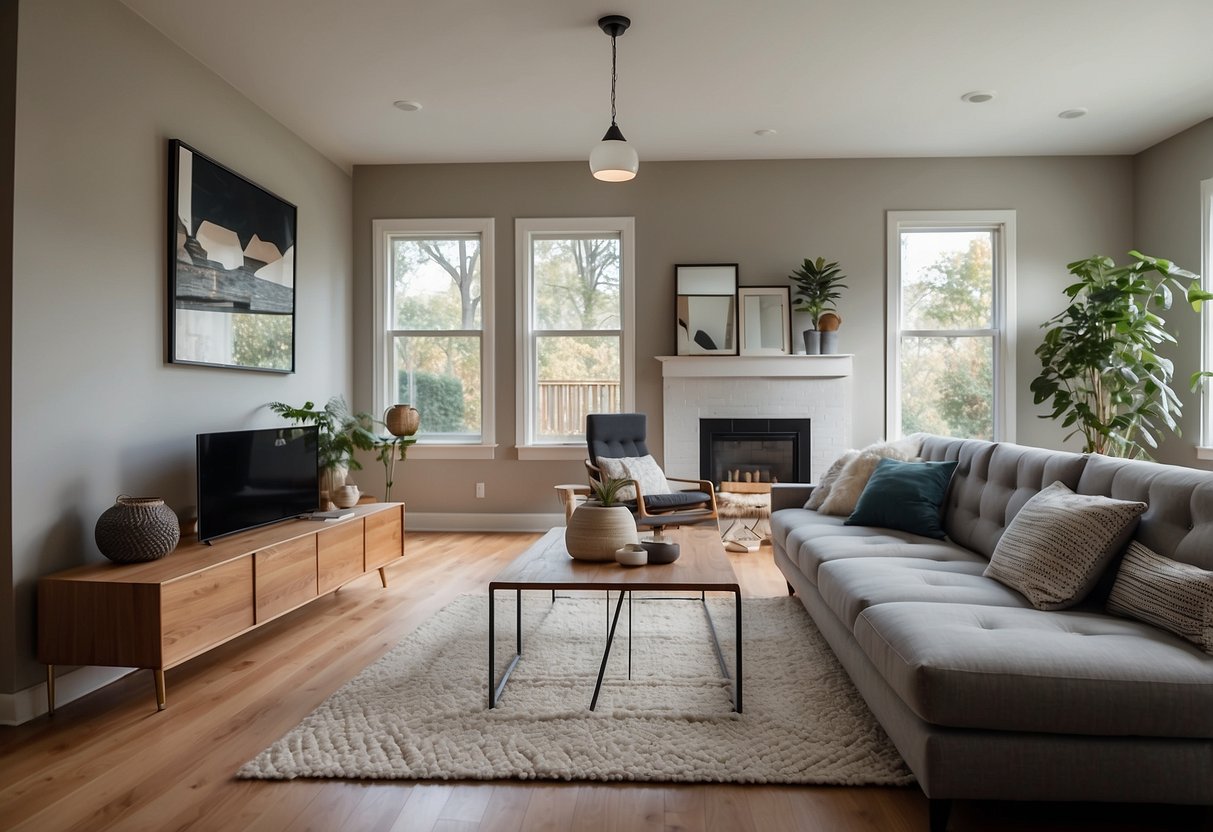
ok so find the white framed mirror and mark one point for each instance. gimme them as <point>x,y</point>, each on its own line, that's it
<point>766,322</point>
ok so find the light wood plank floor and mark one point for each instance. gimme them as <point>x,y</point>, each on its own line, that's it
<point>110,761</point>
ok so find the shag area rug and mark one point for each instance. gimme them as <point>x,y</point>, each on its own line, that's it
<point>421,711</point>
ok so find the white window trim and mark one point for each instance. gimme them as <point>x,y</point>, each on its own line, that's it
<point>381,362</point>
<point>524,230</point>
<point>1205,449</point>
<point>1004,309</point>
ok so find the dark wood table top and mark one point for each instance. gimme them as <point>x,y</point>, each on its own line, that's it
<point>702,565</point>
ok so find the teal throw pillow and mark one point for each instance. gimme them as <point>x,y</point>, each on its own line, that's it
<point>905,495</point>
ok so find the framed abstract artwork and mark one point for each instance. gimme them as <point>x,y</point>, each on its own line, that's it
<point>706,309</point>
<point>231,272</point>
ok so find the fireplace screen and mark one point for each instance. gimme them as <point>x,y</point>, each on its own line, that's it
<point>753,450</point>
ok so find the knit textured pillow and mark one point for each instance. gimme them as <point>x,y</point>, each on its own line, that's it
<point>643,469</point>
<point>1059,543</point>
<point>1175,596</point>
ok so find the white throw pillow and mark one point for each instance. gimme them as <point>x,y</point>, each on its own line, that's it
<point>828,479</point>
<point>853,478</point>
<point>1054,550</point>
<point>643,469</point>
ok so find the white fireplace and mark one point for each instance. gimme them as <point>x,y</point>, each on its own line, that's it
<point>815,387</point>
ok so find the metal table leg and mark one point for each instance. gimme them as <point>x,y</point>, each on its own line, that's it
<point>606,653</point>
<point>495,687</point>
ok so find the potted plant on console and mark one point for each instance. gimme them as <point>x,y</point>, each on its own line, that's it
<point>817,284</point>
<point>341,432</point>
<point>1101,370</point>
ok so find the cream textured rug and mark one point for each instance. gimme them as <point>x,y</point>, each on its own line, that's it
<point>420,711</point>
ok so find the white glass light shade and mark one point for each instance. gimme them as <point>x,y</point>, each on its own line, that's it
<point>613,160</point>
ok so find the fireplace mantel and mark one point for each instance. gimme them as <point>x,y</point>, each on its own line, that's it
<point>755,366</point>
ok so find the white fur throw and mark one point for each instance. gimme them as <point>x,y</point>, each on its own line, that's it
<point>828,479</point>
<point>845,491</point>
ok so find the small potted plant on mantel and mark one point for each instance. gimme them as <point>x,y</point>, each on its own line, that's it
<point>817,284</point>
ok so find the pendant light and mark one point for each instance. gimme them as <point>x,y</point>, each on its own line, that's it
<point>613,159</point>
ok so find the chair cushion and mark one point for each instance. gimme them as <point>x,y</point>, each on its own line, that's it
<point>1059,544</point>
<point>852,585</point>
<point>1001,668</point>
<point>906,496</point>
<point>643,469</point>
<point>1175,596</point>
<point>671,501</point>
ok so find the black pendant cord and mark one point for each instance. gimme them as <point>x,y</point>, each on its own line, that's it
<point>612,80</point>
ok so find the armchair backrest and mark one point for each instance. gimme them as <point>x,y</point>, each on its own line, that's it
<point>615,435</point>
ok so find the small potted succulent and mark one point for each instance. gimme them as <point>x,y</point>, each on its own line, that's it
<point>817,284</point>
<point>600,525</point>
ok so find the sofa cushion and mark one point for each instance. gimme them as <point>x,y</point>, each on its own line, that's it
<point>907,496</point>
<point>821,548</point>
<point>852,585</point>
<point>1175,596</point>
<point>1001,668</point>
<point>1060,543</point>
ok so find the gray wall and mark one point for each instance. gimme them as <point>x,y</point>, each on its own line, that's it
<point>8,89</point>
<point>97,410</point>
<point>766,215</point>
<point>1166,222</point>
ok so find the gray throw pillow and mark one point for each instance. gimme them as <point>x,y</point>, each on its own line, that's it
<point>1175,596</point>
<point>1059,543</point>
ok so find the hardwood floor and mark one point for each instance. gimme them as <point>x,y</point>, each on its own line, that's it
<point>111,761</point>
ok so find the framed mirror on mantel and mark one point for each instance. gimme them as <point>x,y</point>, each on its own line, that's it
<point>766,320</point>
<point>706,309</point>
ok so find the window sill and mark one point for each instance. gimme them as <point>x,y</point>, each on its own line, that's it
<point>550,452</point>
<point>1204,453</point>
<point>454,451</point>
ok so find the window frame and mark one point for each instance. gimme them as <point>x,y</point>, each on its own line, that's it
<point>1204,450</point>
<point>382,332</point>
<point>1003,329</point>
<point>525,230</point>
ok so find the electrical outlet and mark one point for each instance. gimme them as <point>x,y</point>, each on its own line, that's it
<point>479,491</point>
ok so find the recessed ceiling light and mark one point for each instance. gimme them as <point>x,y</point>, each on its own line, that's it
<point>1075,112</point>
<point>766,131</point>
<point>978,96</point>
<point>407,106</point>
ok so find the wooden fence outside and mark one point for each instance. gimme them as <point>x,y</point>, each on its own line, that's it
<point>563,405</point>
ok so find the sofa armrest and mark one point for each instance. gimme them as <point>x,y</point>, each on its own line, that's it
<point>790,494</point>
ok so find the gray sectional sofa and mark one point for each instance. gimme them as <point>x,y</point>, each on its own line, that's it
<point>985,696</point>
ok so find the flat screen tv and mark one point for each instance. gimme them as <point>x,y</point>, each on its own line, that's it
<point>248,478</point>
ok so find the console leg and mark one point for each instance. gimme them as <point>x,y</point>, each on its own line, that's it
<point>158,673</point>
<point>50,690</point>
<point>791,589</point>
<point>383,576</point>
<point>939,810</point>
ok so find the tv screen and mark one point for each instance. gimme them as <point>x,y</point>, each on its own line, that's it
<point>248,478</point>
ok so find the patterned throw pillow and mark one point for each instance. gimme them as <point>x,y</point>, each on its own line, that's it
<point>1175,596</point>
<point>828,479</point>
<point>1055,548</point>
<point>643,469</point>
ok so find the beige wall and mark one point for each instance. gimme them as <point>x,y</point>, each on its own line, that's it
<point>1166,223</point>
<point>8,89</point>
<point>97,411</point>
<point>767,216</point>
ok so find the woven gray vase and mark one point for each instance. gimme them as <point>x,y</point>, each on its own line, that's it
<point>137,529</point>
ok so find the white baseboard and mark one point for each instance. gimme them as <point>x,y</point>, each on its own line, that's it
<point>435,521</point>
<point>24,705</point>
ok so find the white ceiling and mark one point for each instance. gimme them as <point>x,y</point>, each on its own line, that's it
<point>529,80</point>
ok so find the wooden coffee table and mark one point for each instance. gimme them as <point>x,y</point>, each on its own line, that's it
<point>702,567</point>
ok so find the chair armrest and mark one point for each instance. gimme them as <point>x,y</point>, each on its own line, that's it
<point>790,494</point>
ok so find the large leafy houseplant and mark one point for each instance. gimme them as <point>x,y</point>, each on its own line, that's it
<point>1101,370</point>
<point>817,284</point>
<point>341,432</point>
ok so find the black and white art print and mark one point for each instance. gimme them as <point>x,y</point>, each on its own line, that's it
<point>231,268</point>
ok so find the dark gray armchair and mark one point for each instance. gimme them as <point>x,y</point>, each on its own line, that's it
<point>616,435</point>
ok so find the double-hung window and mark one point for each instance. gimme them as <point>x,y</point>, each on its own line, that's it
<point>1205,451</point>
<point>951,351</point>
<point>433,330</point>
<point>575,340</point>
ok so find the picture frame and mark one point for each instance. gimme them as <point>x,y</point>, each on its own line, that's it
<point>765,320</point>
<point>231,268</point>
<point>705,308</point>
